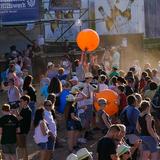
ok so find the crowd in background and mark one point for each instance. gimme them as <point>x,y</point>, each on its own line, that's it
<point>67,90</point>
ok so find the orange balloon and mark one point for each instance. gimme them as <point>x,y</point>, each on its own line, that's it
<point>112,101</point>
<point>88,40</point>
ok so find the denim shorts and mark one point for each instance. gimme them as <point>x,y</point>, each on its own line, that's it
<point>50,144</point>
<point>149,144</point>
<point>9,148</point>
<point>42,146</point>
<point>72,125</point>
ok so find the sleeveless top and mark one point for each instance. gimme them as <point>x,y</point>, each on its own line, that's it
<point>143,124</point>
<point>38,135</point>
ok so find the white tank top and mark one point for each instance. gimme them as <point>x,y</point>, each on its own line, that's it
<point>38,135</point>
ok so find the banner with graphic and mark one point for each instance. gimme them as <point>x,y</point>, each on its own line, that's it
<point>18,11</point>
<point>119,16</point>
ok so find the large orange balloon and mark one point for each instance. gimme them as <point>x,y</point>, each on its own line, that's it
<point>88,40</point>
<point>112,101</point>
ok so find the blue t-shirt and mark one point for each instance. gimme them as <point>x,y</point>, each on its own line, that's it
<point>62,99</point>
<point>132,116</point>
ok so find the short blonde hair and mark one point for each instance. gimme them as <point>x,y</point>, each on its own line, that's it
<point>6,107</point>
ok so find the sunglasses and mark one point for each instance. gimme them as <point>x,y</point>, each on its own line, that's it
<point>127,152</point>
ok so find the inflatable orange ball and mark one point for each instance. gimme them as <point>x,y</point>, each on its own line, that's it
<point>112,101</point>
<point>88,40</point>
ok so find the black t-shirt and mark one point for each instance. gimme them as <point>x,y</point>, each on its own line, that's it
<point>25,122</point>
<point>105,148</point>
<point>9,124</point>
<point>71,110</point>
<point>31,92</point>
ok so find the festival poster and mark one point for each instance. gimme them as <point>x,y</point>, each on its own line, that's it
<point>18,11</point>
<point>119,16</point>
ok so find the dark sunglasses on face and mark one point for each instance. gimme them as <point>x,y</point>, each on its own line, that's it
<point>48,105</point>
<point>127,152</point>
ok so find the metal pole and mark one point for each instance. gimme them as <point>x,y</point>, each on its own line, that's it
<point>71,26</point>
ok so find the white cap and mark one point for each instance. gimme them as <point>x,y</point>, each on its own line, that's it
<point>83,153</point>
<point>70,98</point>
<point>72,157</point>
<point>74,90</point>
<point>49,64</point>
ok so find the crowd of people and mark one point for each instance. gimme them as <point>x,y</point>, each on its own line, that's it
<point>68,90</point>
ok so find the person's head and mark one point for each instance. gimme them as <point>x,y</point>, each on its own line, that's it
<point>76,62</point>
<point>50,65</point>
<point>61,71</point>
<point>132,69</point>
<point>121,89</point>
<point>114,68</point>
<point>153,85</point>
<point>74,80</point>
<point>6,108</point>
<point>144,74</point>
<point>121,80</point>
<point>102,78</point>
<point>145,106</point>
<point>25,72</point>
<point>66,84</point>
<point>124,152</point>
<point>154,72</point>
<point>24,100</point>
<point>129,74</point>
<point>102,103</point>
<point>88,77</point>
<point>39,115</point>
<point>114,131</point>
<point>139,98</point>
<point>131,100</point>
<point>123,131</point>
<point>70,100</point>
<point>149,71</point>
<point>113,80</point>
<point>55,86</point>
<point>27,81</point>
<point>52,97</point>
<point>48,105</point>
<point>11,82</point>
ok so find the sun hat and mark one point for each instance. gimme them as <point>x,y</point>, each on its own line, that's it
<point>121,149</point>
<point>70,98</point>
<point>74,90</point>
<point>83,153</point>
<point>72,157</point>
<point>80,85</point>
<point>88,75</point>
<point>49,64</point>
